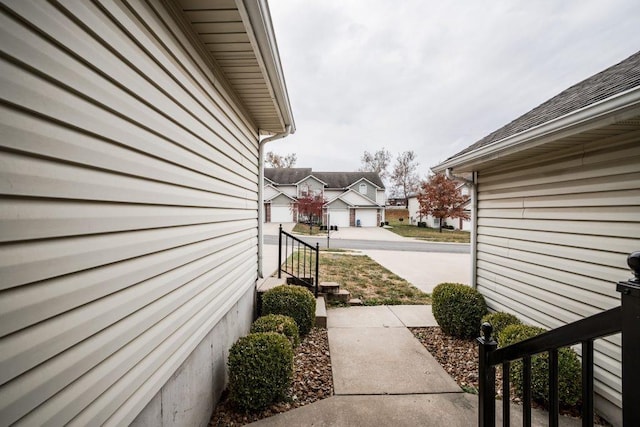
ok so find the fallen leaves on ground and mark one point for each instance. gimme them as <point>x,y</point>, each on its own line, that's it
<point>457,356</point>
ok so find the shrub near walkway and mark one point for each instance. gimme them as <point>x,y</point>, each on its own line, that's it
<point>368,280</point>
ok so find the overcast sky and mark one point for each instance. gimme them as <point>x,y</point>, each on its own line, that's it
<point>433,76</point>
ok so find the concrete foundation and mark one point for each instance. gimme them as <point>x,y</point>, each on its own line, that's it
<point>188,398</point>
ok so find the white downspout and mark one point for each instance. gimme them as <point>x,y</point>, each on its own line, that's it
<point>472,184</point>
<point>261,192</point>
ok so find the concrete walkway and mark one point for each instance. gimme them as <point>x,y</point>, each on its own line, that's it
<point>383,376</point>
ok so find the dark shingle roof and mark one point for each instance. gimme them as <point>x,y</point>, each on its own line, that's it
<point>286,175</point>
<point>612,81</point>
<point>332,179</point>
<point>345,179</point>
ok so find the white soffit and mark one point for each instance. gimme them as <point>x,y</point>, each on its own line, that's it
<point>239,37</point>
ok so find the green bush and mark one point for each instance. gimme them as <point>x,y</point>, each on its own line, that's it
<point>458,309</point>
<point>279,323</point>
<point>260,370</point>
<point>569,368</point>
<point>500,320</point>
<point>293,301</point>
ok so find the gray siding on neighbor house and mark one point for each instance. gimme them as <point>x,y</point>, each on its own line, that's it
<point>371,190</point>
<point>310,184</point>
<point>553,236</point>
<point>129,212</point>
<point>338,204</point>
<point>281,200</point>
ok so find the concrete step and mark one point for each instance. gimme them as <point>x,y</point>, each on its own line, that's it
<point>270,283</point>
<point>329,287</point>
<point>355,302</point>
<point>342,296</point>
<point>321,313</point>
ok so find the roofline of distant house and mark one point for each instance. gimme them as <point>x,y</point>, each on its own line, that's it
<point>611,110</point>
<point>269,57</point>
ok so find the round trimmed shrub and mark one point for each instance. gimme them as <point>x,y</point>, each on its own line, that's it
<point>458,309</point>
<point>293,301</point>
<point>280,324</point>
<point>569,368</point>
<point>500,320</point>
<point>260,370</point>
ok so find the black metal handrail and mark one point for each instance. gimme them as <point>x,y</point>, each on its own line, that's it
<point>301,269</point>
<point>624,319</point>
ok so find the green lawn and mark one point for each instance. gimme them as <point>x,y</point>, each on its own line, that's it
<point>305,229</point>
<point>431,234</point>
<point>368,280</point>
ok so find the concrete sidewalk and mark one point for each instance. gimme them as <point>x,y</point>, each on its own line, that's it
<point>383,376</point>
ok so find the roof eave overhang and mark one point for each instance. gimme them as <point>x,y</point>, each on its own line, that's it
<point>617,108</point>
<point>310,176</point>
<point>365,179</point>
<point>261,32</point>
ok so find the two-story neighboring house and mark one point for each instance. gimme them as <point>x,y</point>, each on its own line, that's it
<point>351,198</point>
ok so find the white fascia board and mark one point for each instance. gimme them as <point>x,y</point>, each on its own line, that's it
<point>365,179</point>
<point>280,193</point>
<point>609,111</point>
<point>362,196</point>
<point>326,205</point>
<point>263,37</point>
<point>310,176</point>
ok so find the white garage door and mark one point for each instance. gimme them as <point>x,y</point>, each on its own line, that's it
<point>339,217</point>
<point>367,217</point>
<point>281,214</point>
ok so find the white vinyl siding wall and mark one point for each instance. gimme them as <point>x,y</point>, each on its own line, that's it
<point>554,233</point>
<point>129,208</point>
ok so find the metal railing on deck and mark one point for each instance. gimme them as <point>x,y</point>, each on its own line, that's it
<point>301,261</point>
<point>625,319</point>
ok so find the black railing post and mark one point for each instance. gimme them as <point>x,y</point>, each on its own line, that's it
<point>630,291</point>
<point>280,253</point>
<point>486,378</point>
<point>317,269</point>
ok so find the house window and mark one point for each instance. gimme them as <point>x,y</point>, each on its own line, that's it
<point>363,188</point>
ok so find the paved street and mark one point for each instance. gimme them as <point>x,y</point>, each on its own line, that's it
<point>360,244</point>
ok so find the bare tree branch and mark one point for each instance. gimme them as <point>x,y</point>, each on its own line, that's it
<point>274,160</point>
<point>404,176</point>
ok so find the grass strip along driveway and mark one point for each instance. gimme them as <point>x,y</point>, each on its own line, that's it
<point>431,234</point>
<point>368,280</point>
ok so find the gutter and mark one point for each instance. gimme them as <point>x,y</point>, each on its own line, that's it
<point>617,108</point>
<point>262,143</point>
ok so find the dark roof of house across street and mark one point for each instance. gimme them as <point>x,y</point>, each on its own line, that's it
<point>286,175</point>
<point>289,176</point>
<point>612,81</point>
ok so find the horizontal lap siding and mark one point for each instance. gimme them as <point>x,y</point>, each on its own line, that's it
<point>553,236</point>
<point>129,207</point>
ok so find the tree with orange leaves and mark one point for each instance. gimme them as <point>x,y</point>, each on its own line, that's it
<point>310,206</point>
<point>440,198</point>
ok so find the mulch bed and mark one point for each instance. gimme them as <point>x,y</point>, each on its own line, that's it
<point>312,381</point>
<point>458,357</point>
